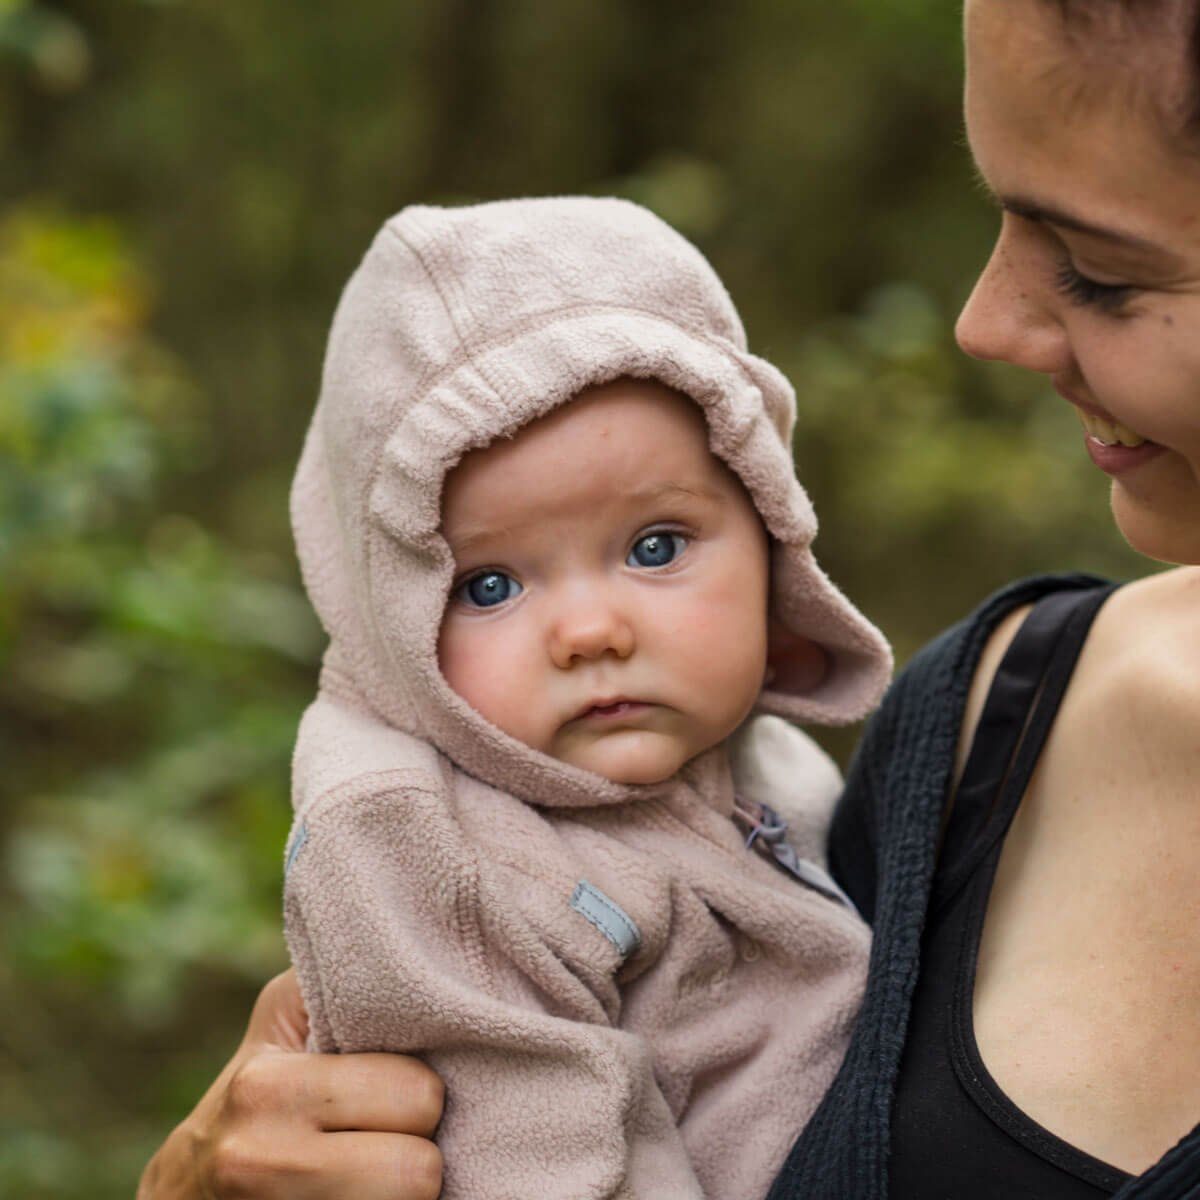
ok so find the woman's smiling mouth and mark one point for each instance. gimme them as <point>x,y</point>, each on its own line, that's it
<point>1100,425</point>
<point>1108,432</point>
<point>1113,447</point>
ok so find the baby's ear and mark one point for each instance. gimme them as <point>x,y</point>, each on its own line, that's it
<point>795,664</point>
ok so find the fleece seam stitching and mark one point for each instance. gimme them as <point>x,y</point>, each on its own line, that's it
<point>401,776</point>
<point>555,880</point>
<point>466,916</point>
<point>468,355</point>
<point>320,1024</point>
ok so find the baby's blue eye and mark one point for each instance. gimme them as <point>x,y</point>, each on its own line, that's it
<point>488,589</point>
<point>656,550</point>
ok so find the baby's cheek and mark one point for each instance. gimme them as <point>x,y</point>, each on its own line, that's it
<point>725,652</point>
<point>733,620</point>
<point>451,653</point>
<point>469,666</point>
<point>486,669</point>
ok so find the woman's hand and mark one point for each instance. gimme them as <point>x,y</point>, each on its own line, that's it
<point>282,1123</point>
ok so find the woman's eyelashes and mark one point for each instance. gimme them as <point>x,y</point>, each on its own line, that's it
<point>1108,297</point>
<point>486,589</point>
<point>657,548</point>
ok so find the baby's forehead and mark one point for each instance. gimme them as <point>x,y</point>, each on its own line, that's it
<point>636,425</point>
<point>627,442</point>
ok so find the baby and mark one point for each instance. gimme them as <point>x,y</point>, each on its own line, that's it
<point>547,513</point>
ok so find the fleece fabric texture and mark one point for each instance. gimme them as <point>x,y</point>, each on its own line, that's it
<point>609,982</point>
<point>884,840</point>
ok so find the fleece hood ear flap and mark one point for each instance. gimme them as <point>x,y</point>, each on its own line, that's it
<point>463,325</point>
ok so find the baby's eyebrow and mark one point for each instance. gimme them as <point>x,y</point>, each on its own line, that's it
<point>463,543</point>
<point>669,491</point>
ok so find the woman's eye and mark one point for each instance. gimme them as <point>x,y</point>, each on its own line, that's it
<point>656,549</point>
<point>488,589</point>
<point>1109,297</point>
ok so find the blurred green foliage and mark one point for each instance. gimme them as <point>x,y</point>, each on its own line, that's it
<point>186,186</point>
<point>150,680</point>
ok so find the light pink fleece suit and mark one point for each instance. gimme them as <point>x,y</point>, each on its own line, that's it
<point>623,1000</point>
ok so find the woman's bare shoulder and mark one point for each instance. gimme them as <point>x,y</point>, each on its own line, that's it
<point>1141,651</point>
<point>1143,612</point>
<point>1140,661</point>
<point>1137,670</point>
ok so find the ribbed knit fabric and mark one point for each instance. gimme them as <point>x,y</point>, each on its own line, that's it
<point>889,818</point>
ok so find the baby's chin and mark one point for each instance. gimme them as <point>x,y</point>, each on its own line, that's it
<point>632,757</point>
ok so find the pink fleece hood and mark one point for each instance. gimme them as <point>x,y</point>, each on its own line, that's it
<point>459,327</point>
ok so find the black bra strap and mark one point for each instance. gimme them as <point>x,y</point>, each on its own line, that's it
<point>1016,720</point>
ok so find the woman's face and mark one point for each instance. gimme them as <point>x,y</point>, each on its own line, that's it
<point>1095,276</point>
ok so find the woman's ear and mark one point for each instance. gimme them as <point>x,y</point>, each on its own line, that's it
<point>795,664</point>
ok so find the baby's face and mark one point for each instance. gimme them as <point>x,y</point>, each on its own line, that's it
<point>610,602</point>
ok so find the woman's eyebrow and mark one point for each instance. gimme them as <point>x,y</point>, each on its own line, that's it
<point>1031,210</point>
<point>1034,210</point>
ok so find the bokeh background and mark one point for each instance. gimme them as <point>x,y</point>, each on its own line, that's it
<point>184,188</point>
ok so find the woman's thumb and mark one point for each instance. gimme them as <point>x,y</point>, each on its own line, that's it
<point>279,1018</point>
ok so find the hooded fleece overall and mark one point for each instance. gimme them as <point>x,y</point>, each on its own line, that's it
<point>623,999</point>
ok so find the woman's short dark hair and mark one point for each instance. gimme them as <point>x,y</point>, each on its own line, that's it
<point>1146,16</point>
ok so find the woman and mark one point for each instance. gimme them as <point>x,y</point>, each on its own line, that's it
<point>1048,1043</point>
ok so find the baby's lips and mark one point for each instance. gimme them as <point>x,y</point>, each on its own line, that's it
<point>607,706</point>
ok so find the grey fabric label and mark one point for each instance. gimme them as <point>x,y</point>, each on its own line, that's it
<point>294,849</point>
<point>607,916</point>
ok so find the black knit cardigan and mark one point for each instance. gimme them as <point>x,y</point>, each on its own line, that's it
<point>883,846</point>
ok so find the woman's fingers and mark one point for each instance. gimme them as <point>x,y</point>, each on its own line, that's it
<point>386,1093</point>
<point>280,1124</point>
<point>265,1164</point>
<point>387,1168</point>
<point>382,1092</point>
<point>321,1127</point>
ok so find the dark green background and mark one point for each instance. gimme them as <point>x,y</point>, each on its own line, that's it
<point>184,188</point>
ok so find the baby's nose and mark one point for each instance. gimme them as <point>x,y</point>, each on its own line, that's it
<point>590,634</point>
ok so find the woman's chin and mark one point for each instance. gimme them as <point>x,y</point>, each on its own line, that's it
<point>1163,532</point>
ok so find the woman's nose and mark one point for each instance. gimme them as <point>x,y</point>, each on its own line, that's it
<point>1012,315</point>
<point>590,632</point>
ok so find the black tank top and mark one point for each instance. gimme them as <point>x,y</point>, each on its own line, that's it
<point>954,1133</point>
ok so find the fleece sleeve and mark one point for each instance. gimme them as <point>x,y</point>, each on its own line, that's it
<point>399,947</point>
